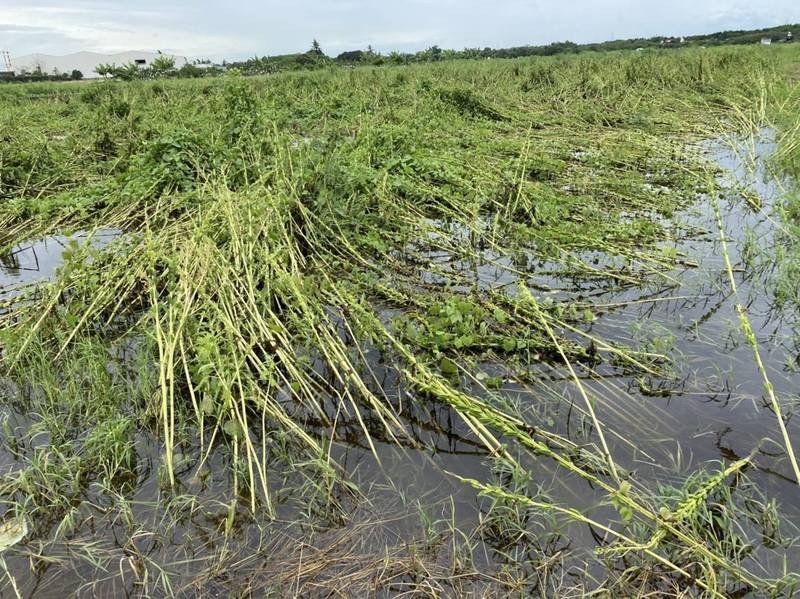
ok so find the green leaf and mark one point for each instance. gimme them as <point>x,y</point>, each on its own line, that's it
<point>232,428</point>
<point>12,532</point>
<point>494,382</point>
<point>464,341</point>
<point>207,405</point>
<point>448,367</point>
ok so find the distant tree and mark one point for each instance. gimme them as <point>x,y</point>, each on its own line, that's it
<point>397,58</point>
<point>104,70</point>
<point>190,71</point>
<point>303,60</point>
<point>76,75</point>
<point>316,49</point>
<point>162,66</point>
<point>373,57</point>
<point>432,54</point>
<point>127,72</point>
<point>351,56</point>
<point>213,71</point>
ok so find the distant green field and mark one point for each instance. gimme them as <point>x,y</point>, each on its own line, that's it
<point>475,328</point>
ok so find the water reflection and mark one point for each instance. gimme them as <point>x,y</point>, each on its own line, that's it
<point>36,261</point>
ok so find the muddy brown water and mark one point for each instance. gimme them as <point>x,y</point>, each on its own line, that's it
<point>712,411</point>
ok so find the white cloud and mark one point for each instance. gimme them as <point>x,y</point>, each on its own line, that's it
<point>245,27</point>
<point>63,29</point>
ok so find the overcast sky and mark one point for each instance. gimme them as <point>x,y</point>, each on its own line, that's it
<point>236,28</point>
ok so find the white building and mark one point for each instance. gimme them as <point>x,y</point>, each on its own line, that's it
<point>85,62</point>
<point>766,41</point>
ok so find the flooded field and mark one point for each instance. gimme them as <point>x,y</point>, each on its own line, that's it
<point>709,409</point>
<point>523,372</point>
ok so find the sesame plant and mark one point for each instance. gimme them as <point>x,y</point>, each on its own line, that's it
<point>442,329</point>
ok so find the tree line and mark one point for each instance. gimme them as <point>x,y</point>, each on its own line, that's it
<point>39,75</point>
<point>164,66</point>
<point>316,58</point>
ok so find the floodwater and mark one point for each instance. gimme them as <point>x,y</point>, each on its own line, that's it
<point>709,412</point>
<point>39,260</point>
<point>713,409</point>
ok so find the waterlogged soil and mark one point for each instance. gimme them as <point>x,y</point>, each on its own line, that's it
<point>710,411</point>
